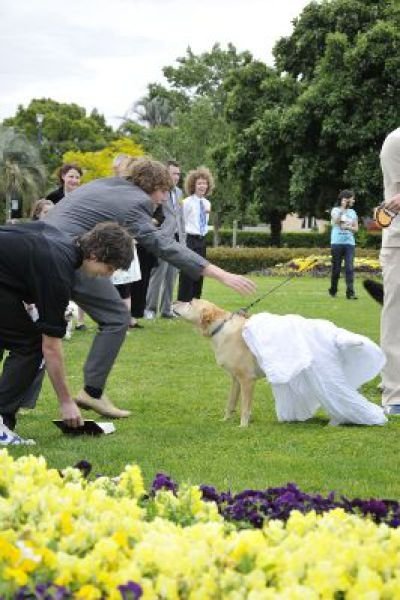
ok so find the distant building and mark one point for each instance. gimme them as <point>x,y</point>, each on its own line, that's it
<point>295,223</point>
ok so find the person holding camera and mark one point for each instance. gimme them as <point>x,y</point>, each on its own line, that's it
<point>344,222</point>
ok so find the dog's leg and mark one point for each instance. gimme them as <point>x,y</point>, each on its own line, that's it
<point>246,389</point>
<point>232,399</point>
<point>68,332</point>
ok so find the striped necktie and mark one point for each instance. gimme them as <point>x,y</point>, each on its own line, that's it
<point>202,219</point>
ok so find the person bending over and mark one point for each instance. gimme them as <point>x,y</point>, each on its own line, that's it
<point>37,266</point>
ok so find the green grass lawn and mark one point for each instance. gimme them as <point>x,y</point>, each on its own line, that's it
<point>167,375</point>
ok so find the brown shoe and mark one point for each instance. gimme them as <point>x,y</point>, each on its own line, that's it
<point>103,406</point>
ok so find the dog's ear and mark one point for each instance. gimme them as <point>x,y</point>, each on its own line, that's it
<point>208,315</point>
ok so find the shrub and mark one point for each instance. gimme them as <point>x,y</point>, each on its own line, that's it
<point>309,239</point>
<point>246,260</point>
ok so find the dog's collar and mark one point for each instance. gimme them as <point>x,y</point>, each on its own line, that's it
<point>218,328</point>
<point>220,325</point>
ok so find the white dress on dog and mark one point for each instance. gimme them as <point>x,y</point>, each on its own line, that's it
<point>311,363</point>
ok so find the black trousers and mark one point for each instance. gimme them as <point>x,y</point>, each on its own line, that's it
<point>340,252</point>
<point>139,288</point>
<point>189,288</point>
<point>21,338</point>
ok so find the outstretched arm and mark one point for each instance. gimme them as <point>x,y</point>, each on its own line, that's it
<point>53,356</point>
<point>236,282</point>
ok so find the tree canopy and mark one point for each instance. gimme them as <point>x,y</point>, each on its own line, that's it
<point>64,127</point>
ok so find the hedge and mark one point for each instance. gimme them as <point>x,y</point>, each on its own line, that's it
<point>259,239</point>
<point>245,260</point>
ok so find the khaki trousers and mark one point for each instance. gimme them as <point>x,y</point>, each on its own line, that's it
<point>390,325</point>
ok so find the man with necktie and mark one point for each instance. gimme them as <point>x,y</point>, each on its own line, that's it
<point>199,183</point>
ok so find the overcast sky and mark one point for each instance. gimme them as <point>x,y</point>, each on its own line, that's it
<point>103,53</point>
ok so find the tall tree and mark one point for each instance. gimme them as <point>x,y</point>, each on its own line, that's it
<point>153,112</point>
<point>63,127</point>
<point>317,124</point>
<point>22,175</point>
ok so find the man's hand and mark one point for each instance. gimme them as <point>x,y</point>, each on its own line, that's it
<point>236,282</point>
<point>394,203</point>
<point>70,414</point>
<point>53,356</point>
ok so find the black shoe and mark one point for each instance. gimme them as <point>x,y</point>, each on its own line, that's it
<point>168,316</point>
<point>374,289</point>
<point>136,326</point>
<point>331,293</point>
<point>81,327</point>
<point>351,297</point>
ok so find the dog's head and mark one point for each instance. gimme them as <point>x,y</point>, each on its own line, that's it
<point>71,311</point>
<point>201,313</point>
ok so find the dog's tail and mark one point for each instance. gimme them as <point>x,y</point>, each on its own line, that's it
<point>374,289</point>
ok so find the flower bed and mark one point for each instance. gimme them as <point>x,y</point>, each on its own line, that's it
<point>320,266</point>
<point>65,536</point>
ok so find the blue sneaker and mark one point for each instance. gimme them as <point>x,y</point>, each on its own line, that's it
<point>9,438</point>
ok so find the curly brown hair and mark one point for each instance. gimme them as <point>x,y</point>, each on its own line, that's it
<point>150,175</point>
<point>193,176</point>
<point>109,243</point>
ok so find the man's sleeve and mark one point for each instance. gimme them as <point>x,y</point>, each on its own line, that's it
<point>156,242</point>
<point>51,305</point>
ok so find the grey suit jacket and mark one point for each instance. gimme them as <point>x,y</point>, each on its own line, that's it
<point>174,216</point>
<point>117,199</point>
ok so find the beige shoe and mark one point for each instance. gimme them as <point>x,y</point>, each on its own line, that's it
<point>103,406</point>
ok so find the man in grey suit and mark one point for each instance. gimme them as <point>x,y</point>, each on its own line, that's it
<point>163,276</point>
<point>130,201</point>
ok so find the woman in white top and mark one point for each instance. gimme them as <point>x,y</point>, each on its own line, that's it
<point>196,211</point>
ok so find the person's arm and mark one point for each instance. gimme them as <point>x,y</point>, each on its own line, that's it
<point>53,356</point>
<point>394,202</point>
<point>336,215</point>
<point>236,282</point>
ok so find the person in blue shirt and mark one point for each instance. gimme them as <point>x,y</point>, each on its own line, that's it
<point>344,225</point>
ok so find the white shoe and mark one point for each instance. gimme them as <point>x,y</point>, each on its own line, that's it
<point>149,315</point>
<point>9,438</point>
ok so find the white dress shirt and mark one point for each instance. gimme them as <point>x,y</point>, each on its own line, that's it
<point>191,214</point>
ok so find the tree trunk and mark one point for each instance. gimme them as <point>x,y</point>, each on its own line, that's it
<point>216,224</point>
<point>275,220</point>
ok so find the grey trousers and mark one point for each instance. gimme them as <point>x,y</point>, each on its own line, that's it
<point>161,288</point>
<point>101,301</point>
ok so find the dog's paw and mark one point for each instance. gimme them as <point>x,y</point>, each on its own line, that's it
<point>227,417</point>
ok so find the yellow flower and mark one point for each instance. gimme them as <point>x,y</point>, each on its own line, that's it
<point>88,592</point>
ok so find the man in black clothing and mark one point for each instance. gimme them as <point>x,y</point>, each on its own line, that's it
<point>37,266</point>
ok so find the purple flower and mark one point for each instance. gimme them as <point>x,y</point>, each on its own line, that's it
<point>130,591</point>
<point>163,482</point>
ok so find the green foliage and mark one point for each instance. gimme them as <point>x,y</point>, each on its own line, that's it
<point>315,125</point>
<point>65,127</point>
<point>248,260</point>
<point>22,175</point>
<point>309,239</point>
<point>99,164</point>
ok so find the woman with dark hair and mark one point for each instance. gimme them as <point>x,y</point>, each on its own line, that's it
<point>344,225</point>
<point>69,177</point>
